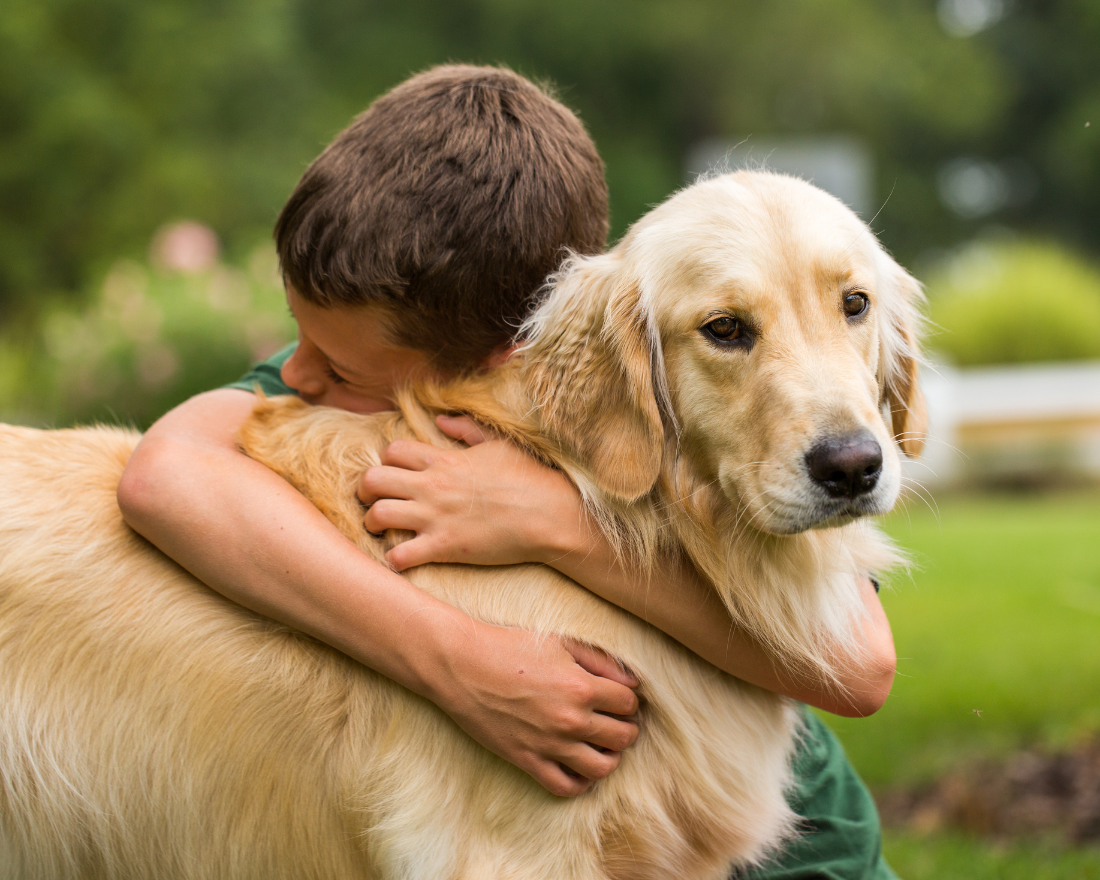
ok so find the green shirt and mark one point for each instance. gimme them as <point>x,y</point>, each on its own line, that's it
<point>267,375</point>
<point>841,839</point>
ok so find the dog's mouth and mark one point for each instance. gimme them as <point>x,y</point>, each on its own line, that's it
<point>841,513</point>
<point>793,519</point>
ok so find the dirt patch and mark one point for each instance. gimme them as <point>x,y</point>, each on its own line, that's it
<point>1035,792</point>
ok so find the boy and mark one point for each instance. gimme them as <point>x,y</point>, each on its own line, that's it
<point>414,245</point>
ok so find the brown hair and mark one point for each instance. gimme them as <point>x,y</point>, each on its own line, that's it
<point>448,201</point>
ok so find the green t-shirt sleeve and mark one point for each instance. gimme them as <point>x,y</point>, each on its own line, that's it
<point>267,375</point>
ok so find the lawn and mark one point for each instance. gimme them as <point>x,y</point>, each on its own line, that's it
<point>953,857</point>
<point>1001,614</point>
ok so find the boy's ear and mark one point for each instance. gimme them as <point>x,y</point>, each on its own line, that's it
<point>590,361</point>
<point>899,361</point>
<point>500,354</point>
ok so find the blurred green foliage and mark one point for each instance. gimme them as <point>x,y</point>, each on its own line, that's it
<point>145,340</point>
<point>1001,616</point>
<point>116,116</point>
<point>1015,302</point>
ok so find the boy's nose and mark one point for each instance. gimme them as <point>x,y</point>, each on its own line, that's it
<point>303,372</point>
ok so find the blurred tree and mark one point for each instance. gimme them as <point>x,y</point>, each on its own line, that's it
<point>651,78</point>
<point>1049,49</point>
<point>116,116</point>
<point>145,339</point>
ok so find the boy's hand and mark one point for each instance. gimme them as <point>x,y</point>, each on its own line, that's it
<point>490,504</point>
<point>560,711</point>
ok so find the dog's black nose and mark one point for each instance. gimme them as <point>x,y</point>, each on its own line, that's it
<point>846,466</point>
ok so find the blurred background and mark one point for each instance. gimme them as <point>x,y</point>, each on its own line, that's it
<point>146,148</point>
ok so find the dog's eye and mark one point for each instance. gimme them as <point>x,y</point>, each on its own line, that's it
<point>727,331</point>
<point>725,328</point>
<point>856,303</point>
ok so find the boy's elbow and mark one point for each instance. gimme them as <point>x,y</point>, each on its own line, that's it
<point>137,488</point>
<point>159,475</point>
<point>869,689</point>
<point>172,466</point>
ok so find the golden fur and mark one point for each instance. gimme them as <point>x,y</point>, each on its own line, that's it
<point>149,728</point>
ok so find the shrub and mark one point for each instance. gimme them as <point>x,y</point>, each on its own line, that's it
<point>1015,302</point>
<point>147,339</point>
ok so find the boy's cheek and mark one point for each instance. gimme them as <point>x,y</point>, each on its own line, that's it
<point>341,397</point>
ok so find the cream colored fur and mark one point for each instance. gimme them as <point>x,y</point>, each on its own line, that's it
<point>149,728</point>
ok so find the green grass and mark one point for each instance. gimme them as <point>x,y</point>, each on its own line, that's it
<point>952,857</point>
<point>1002,615</point>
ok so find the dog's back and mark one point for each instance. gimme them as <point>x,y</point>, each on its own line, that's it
<point>148,727</point>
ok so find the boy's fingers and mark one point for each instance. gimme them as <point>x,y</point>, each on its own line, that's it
<point>591,763</point>
<point>613,734</point>
<point>385,482</point>
<point>559,780</point>
<point>390,513</point>
<point>613,698</point>
<point>409,454</point>
<point>598,663</point>
<point>410,554</point>
<point>463,428</point>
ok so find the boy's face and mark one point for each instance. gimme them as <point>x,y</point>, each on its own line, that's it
<point>345,359</point>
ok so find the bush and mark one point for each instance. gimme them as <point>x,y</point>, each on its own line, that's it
<point>147,339</point>
<point>1015,302</point>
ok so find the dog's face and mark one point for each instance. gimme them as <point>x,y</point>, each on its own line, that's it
<point>777,330</point>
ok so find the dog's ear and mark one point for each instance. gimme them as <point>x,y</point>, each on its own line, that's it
<point>899,359</point>
<point>589,359</point>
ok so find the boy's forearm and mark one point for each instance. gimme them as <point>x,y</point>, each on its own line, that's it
<point>682,605</point>
<point>270,550</point>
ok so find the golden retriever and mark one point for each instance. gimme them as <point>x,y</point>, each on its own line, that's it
<point>718,385</point>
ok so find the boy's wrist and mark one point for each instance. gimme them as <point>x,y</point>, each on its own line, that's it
<point>562,530</point>
<point>551,544</point>
<point>443,639</point>
<point>427,655</point>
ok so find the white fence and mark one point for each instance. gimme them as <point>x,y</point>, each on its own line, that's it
<point>1011,422</point>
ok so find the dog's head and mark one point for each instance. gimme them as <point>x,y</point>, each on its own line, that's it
<point>753,327</point>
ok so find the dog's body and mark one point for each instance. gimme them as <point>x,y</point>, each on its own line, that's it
<point>149,728</point>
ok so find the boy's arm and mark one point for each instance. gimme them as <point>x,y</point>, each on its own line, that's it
<point>683,606</point>
<point>492,504</point>
<point>248,534</point>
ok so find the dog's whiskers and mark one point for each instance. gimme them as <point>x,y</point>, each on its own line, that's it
<point>922,492</point>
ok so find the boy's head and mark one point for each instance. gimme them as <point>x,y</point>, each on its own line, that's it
<point>444,206</point>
